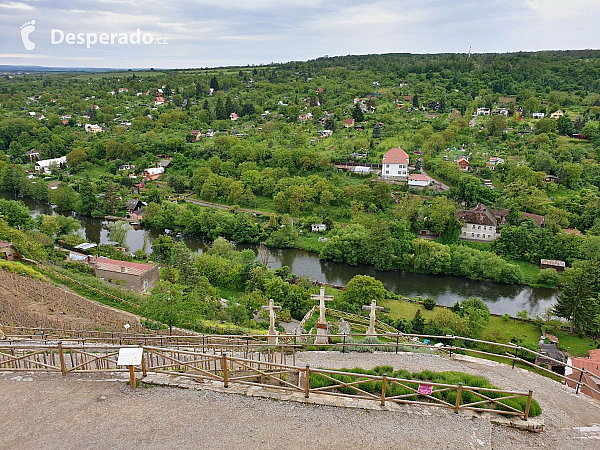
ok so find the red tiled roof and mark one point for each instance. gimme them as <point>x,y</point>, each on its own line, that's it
<point>395,156</point>
<point>349,121</point>
<point>479,215</point>
<point>114,265</point>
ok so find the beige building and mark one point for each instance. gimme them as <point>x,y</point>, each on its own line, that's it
<point>136,276</point>
<point>480,224</point>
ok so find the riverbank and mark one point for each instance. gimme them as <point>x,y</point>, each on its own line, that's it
<point>445,289</point>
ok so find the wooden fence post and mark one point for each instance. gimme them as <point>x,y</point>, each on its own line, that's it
<point>143,362</point>
<point>516,356</point>
<point>132,376</point>
<point>458,397</point>
<point>224,367</point>
<point>307,382</point>
<point>383,386</point>
<point>61,357</point>
<point>526,416</point>
<point>397,341</point>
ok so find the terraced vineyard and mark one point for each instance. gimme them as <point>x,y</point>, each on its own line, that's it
<point>27,302</point>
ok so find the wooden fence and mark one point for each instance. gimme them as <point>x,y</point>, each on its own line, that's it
<point>228,369</point>
<point>394,342</point>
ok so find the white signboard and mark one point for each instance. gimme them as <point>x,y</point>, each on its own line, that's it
<point>130,356</point>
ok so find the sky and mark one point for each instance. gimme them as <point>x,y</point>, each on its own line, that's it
<point>209,33</point>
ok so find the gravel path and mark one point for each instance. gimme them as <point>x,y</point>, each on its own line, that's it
<point>85,411</point>
<point>562,409</point>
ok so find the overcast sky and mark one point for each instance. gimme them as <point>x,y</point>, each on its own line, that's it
<point>226,32</point>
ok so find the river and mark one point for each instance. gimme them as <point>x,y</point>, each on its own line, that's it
<point>445,289</point>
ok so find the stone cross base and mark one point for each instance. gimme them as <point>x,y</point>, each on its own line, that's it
<point>273,340</point>
<point>322,334</point>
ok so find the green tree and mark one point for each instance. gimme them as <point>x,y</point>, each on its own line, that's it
<point>418,322</point>
<point>357,113</point>
<point>117,232</point>
<point>87,199</point>
<point>578,302</point>
<point>360,290</point>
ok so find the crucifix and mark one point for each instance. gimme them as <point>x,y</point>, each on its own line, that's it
<point>322,299</point>
<point>322,337</point>
<point>373,307</point>
<point>272,339</point>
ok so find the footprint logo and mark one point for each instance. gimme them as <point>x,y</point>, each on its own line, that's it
<point>26,29</point>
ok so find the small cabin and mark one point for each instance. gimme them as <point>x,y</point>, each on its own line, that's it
<point>552,264</point>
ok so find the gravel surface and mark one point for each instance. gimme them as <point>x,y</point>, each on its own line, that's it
<point>85,411</point>
<point>562,409</point>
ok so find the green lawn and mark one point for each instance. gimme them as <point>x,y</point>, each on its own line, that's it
<point>529,332</point>
<point>575,345</point>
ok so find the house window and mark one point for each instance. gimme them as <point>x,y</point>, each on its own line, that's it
<point>479,227</point>
<point>477,234</point>
<point>473,226</point>
<point>387,172</point>
<point>387,166</point>
<point>472,234</point>
<point>489,236</point>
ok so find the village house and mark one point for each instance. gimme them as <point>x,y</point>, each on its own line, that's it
<point>502,111</point>
<point>557,114</point>
<point>493,162</point>
<point>551,353</point>
<point>6,251</point>
<point>47,164</point>
<point>482,112</point>
<point>233,116</point>
<point>92,128</point>
<point>153,173</point>
<point>418,180</point>
<point>349,123</point>
<point>479,224</point>
<point>550,179</point>
<point>159,101</point>
<point>552,264</point>
<point>395,164</point>
<point>463,164</point>
<point>502,214</point>
<point>33,155</point>
<point>123,90</point>
<point>538,115</point>
<point>318,227</point>
<point>135,208</point>
<point>165,163</point>
<point>137,276</point>
<point>592,377</point>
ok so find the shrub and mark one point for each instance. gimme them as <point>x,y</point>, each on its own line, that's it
<point>429,303</point>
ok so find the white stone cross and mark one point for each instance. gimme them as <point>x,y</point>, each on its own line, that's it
<point>272,308</point>
<point>322,299</point>
<point>373,307</point>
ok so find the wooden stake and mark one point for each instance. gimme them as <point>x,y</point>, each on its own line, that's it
<point>224,367</point>
<point>528,404</point>
<point>61,355</point>
<point>307,382</point>
<point>383,386</point>
<point>132,376</point>
<point>458,396</point>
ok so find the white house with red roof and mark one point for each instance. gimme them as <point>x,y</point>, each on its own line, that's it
<point>417,180</point>
<point>395,164</point>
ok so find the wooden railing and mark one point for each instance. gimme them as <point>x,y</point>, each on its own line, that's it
<point>511,353</point>
<point>228,369</point>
